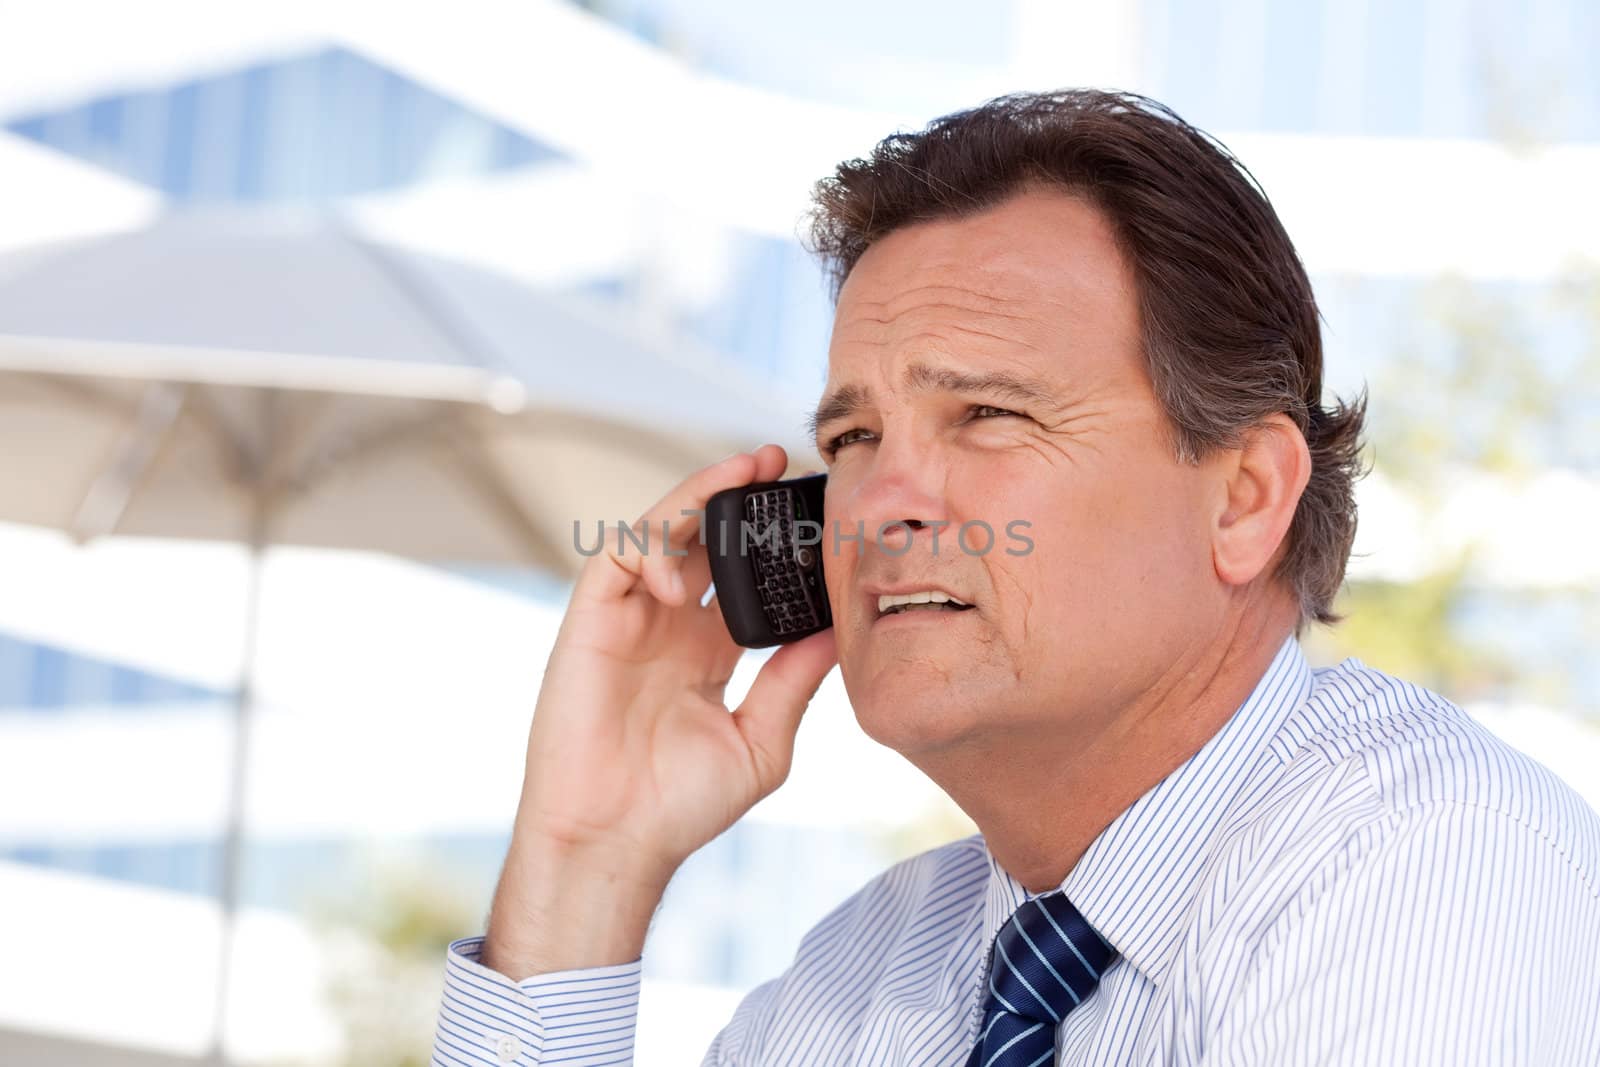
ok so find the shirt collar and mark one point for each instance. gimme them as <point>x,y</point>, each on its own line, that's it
<point>1136,882</point>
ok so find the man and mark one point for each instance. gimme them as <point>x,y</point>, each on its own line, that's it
<point>1074,310</point>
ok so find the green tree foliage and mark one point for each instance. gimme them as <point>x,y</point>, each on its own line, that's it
<point>385,943</point>
<point>1487,380</point>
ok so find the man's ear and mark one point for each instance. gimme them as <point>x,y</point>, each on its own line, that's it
<point>1261,487</point>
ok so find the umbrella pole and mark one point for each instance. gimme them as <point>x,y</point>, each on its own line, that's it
<point>233,838</point>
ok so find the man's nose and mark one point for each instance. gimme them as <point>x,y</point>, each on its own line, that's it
<point>901,500</point>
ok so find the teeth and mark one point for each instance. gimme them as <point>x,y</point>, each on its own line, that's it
<point>926,596</point>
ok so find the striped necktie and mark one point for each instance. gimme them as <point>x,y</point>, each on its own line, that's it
<point>1046,961</point>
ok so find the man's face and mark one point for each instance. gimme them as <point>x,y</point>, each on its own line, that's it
<point>989,370</point>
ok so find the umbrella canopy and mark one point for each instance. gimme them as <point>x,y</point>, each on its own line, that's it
<point>281,379</point>
<point>50,195</point>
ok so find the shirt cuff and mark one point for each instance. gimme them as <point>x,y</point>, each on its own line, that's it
<point>583,1018</point>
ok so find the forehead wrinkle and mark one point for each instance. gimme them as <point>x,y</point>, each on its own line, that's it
<point>912,295</point>
<point>945,323</point>
<point>989,295</point>
<point>942,337</point>
<point>956,327</point>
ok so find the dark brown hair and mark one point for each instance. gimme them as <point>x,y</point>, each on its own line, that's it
<point>1230,326</point>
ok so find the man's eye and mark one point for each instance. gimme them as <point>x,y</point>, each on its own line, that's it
<point>847,438</point>
<point>985,411</point>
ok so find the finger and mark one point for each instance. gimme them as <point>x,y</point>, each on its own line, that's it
<point>663,570</point>
<point>696,571</point>
<point>770,716</point>
<point>771,462</point>
<point>727,652</point>
<point>620,565</point>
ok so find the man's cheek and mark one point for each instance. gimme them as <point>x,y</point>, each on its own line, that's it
<point>1015,582</point>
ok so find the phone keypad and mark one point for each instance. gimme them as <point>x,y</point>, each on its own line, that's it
<point>780,580</point>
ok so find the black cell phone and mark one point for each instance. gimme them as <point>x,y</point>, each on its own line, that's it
<point>765,544</point>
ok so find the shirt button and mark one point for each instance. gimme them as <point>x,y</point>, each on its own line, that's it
<point>508,1048</point>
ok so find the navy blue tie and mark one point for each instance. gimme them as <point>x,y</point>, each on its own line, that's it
<point>1046,961</point>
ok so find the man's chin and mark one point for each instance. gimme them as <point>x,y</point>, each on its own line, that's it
<point>909,705</point>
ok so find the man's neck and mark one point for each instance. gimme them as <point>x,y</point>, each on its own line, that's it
<point>1040,805</point>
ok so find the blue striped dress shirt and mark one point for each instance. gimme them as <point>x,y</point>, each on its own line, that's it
<point>1351,871</point>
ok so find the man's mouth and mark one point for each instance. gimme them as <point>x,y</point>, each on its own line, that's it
<point>923,600</point>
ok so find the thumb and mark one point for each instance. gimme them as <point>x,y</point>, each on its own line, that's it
<point>769,717</point>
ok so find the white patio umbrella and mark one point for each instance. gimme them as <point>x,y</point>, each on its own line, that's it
<point>280,379</point>
<point>50,195</point>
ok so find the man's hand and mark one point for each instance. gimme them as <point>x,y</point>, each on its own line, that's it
<point>634,762</point>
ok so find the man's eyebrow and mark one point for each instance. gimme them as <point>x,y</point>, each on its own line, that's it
<point>922,377</point>
<point>1002,385</point>
<point>839,404</point>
